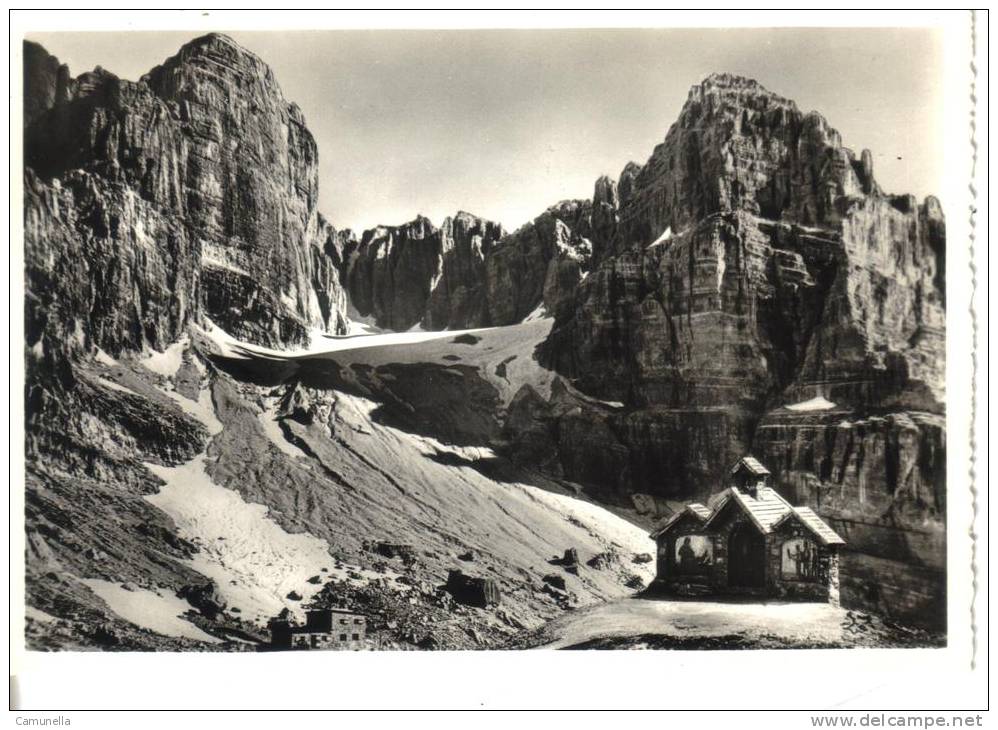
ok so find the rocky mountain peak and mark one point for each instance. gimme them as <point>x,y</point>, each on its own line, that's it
<point>729,84</point>
<point>47,81</point>
<point>605,192</point>
<point>215,49</point>
<point>738,146</point>
<point>197,187</point>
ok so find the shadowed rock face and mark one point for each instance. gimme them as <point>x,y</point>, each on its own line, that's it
<point>417,273</point>
<point>191,192</point>
<point>469,272</point>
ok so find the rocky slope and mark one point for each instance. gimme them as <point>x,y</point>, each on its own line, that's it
<point>245,486</point>
<point>749,288</point>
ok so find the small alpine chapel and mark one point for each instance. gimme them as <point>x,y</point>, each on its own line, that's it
<point>748,540</point>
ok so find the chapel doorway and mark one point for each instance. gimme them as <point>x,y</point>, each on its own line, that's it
<point>746,558</point>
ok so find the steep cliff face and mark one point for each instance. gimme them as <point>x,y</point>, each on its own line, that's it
<point>880,479</point>
<point>417,273</point>
<point>758,263</point>
<point>190,192</point>
<point>540,263</point>
<point>457,300</point>
<point>733,271</point>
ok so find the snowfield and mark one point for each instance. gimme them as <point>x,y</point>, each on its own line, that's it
<point>538,313</point>
<point>321,343</point>
<point>111,385</point>
<point>254,562</point>
<point>154,610</point>
<point>666,236</point>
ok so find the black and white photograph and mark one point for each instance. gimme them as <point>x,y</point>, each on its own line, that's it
<point>491,339</point>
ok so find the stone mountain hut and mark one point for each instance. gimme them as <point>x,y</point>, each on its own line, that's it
<point>324,628</point>
<point>748,540</point>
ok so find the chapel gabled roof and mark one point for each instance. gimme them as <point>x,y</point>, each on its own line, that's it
<point>766,508</point>
<point>694,508</point>
<point>810,519</point>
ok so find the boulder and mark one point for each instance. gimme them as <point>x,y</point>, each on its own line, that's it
<point>204,597</point>
<point>405,553</point>
<point>472,591</point>
<point>635,582</point>
<point>603,560</point>
<point>553,579</point>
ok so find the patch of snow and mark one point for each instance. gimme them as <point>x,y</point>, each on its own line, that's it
<point>217,257</point>
<point>111,385</point>
<point>158,611</point>
<point>273,430</point>
<point>357,324</point>
<point>818,403</point>
<point>229,346</point>
<point>202,409</point>
<point>38,615</point>
<point>251,558</point>
<point>666,235</point>
<point>166,363</point>
<point>538,313</point>
<point>355,327</point>
<point>104,359</point>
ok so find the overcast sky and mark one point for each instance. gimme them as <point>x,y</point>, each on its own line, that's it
<point>505,123</point>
